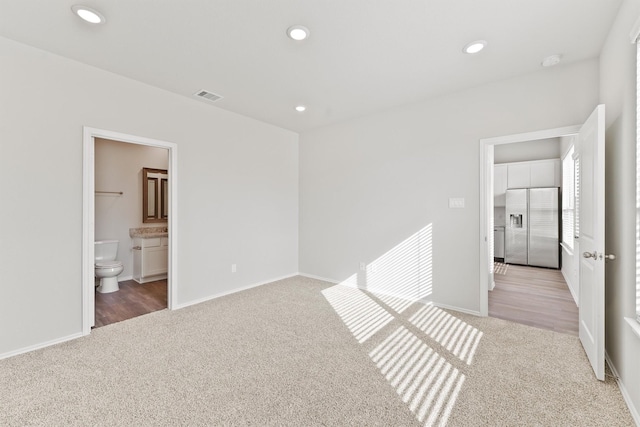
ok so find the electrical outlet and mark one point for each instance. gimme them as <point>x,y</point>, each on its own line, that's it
<point>456,202</point>
<point>233,268</point>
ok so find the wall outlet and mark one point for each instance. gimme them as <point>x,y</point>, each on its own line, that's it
<point>363,266</point>
<point>234,268</point>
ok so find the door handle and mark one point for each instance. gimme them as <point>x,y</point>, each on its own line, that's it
<point>593,255</point>
<point>609,257</point>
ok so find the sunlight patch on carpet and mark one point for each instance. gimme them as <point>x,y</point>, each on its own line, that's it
<point>422,378</point>
<point>359,313</point>
<point>457,336</point>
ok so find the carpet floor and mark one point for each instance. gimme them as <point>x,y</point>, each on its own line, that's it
<point>303,352</point>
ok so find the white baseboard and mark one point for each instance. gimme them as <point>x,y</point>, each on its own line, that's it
<point>221,294</point>
<point>445,306</point>
<point>570,286</point>
<point>124,278</point>
<point>625,394</point>
<point>461,310</point>
<point>324,279</point>
<point>40,345</point>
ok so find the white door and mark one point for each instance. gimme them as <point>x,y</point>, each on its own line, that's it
<point>591,236</point>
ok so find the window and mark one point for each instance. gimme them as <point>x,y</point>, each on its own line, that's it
<point>636,39</point>
<point>568,198</point>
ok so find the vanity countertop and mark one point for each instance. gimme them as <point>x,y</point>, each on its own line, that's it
<point>148,232</point>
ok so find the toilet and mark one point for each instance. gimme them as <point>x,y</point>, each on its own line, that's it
<point>107,267</point>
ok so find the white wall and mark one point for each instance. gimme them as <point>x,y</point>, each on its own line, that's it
<point>617,92</point>
<point>237,182</point>
<point>118,167</point>
<point>369,184</point>
<point>529,150</point>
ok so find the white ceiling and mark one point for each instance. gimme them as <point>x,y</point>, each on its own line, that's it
<point>362,56</point>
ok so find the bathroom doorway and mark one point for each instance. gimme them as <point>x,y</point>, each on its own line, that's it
<point>131,212</point>
<point>107,214</point>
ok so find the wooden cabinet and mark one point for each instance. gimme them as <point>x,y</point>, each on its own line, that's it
<point>150,258</point>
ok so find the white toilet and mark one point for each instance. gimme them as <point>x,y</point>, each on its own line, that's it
<point>107,267</point>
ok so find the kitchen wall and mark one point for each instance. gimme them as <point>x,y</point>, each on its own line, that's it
<point>529,150</point>
<point>618,93</point>
<point>237,184</point>
<point>118,167</point>
<point>369,186</point>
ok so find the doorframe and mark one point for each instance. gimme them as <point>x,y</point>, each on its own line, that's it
<point>88,217</point>
<point>486,195</point>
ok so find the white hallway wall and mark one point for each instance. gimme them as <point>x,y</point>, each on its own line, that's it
<point>238,189</point>
<point>366,185</point>
<point>618,93</point>
<point>118,167</point>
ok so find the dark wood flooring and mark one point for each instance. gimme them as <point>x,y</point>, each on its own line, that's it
<point>533,296</point>
<point>132,300</point>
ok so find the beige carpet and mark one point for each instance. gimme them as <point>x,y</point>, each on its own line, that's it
<point>303,352</point>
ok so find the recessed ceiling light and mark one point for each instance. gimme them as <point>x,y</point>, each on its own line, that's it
<point>552,60</point>
<point>475,46</point>
<point>301,108</point>
<point>88,14</point>
<point>298,32</point>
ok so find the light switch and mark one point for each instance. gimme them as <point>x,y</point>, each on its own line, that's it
<point>456,202</point>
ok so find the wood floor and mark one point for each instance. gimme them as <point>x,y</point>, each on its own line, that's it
<point>132,300</point>
<point>533,296</point>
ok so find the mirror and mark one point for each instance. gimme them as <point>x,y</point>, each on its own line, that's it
<point>155,195</point>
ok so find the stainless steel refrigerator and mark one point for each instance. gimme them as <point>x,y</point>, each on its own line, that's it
<point>532,229</point>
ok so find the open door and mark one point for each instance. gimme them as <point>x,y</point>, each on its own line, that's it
<point>590,161</point>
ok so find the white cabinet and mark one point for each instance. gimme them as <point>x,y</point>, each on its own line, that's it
<point>150,258</point>
<point>499,185</point>
<point>545,174</point>
<point>539,173</point>
<point>519,175</point>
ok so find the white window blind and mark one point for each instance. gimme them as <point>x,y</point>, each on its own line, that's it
<point>568,198</point>
<point>637,177</point>
<point>576,196</point>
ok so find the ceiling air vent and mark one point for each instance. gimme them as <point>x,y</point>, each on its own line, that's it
<point>209,96</point>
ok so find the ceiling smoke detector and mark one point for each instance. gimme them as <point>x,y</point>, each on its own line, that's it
<point>207,96</point>
<point>552,60</point>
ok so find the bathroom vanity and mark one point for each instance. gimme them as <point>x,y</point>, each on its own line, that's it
<point>150,253</point>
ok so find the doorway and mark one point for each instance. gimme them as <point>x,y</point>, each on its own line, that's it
<point>89,214</point>
<point>529,286</point>
<point>589,229</point>
<point>487,210</point>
